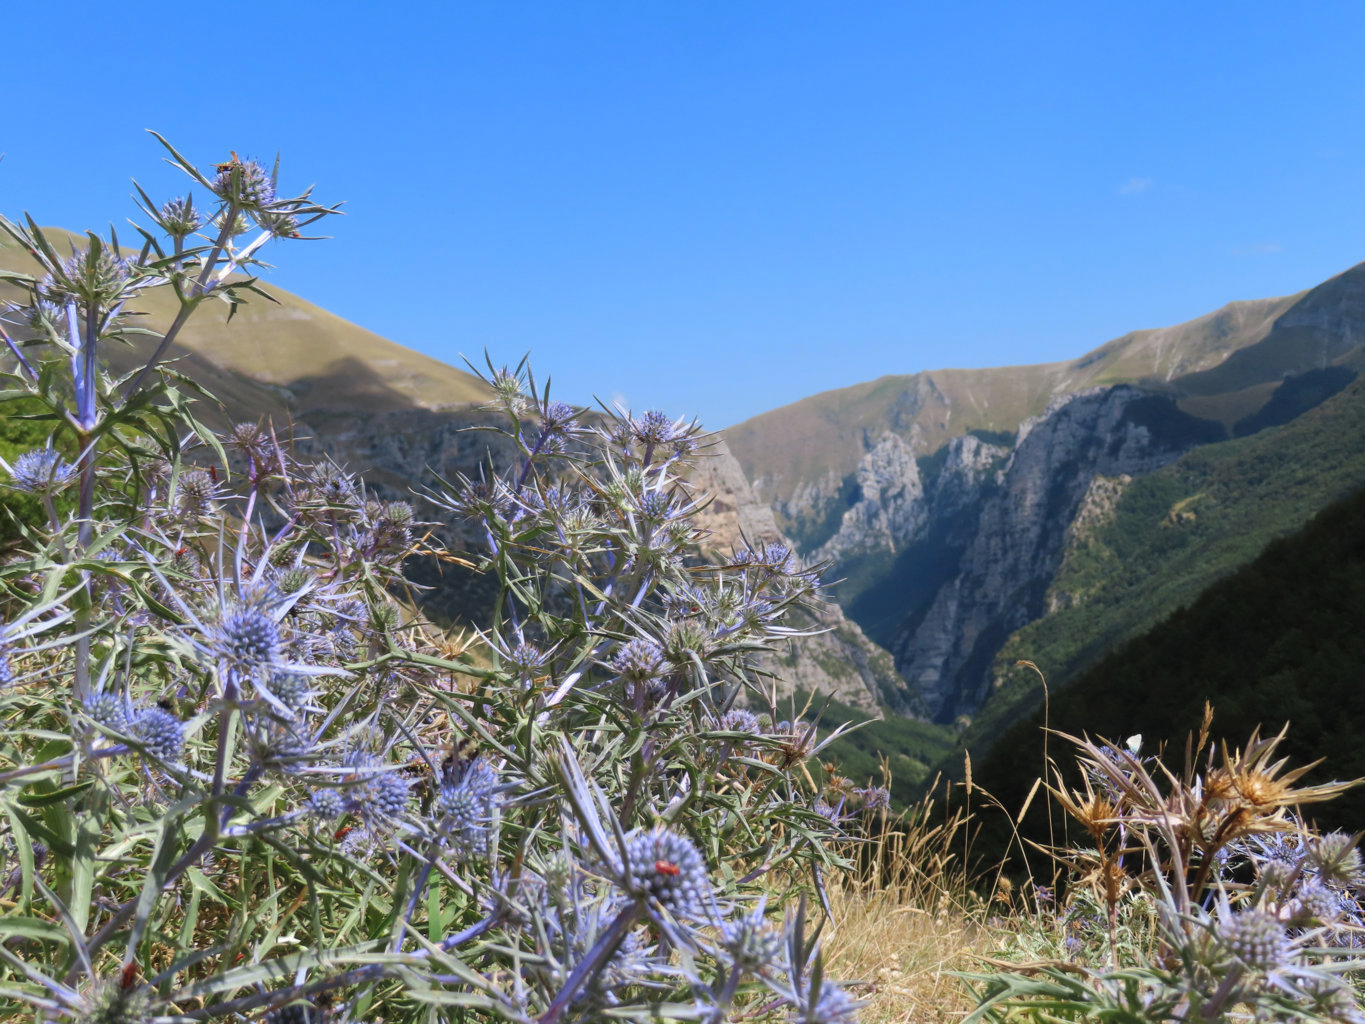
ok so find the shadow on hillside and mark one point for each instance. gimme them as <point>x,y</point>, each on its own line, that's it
<point>350,385</point>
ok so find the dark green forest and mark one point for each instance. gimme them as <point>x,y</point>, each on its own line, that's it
<point>1279,641</point>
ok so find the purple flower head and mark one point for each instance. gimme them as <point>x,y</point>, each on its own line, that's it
<point>465,806</point>
<point>326,804</point>
<point>109,710</point>
<point>1336,859</point>
<point>247,638</point>
<point>653,428</point>
<point>245,181</point>
<point>42,469</point>
<point>179,218</point>
<point>663,869</point>
<point>833,1006</point>
<point>161,734</point>
<point>654,506</point>
<point>752,942</point>
<point>875,798</point>
<point>638,661</point>
<point>740,720</point>
<point>1256,938</point>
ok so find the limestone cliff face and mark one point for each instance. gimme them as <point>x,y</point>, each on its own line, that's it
<point>397,453</point>
<point>969,541</point>
<point>1019,537</point>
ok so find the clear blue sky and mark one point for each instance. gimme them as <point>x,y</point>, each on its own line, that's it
<point>716,208</point>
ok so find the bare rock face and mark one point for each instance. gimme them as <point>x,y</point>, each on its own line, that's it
<point>1019,532</point>
<point>890,509</point>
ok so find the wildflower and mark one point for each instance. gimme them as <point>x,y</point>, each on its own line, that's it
<point>384,798</point>
<point>752,942</point>
<point>42,469</point>
<point>326,804</point>
<point>653,428</point>
<point>196,490</point>
<point>161,734</point>
<point>108,710</point>
<point>664,869</point>
<point>739,720</point>
<point>1336,859</point>
<point>464,808</point>
<point>875,798</point>
<point>87,277</point>
<point>112,1002</point>
<point>246,182</point>
<point>654,506</point>
<point>1256,938</point>
<point>833,1006</point>
<point>638,661</point>
<point>292,689</point>
<point>247,638</point>
<point>178,218</point>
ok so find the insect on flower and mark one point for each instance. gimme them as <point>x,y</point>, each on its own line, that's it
<point>667,867</point>
<point>224,168</point>
<point>128,976</point>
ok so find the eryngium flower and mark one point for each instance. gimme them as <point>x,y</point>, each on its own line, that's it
<point>834,1006</point>
<point>654,428</point>
<point>179,218</point>
<point>752,942</point>
<point>384,798</point>
<point>245,181</point>
<point>638,661</point>
<point>160,733</point>
<point>1336,859</point>
<point>1256,938</point>
<point>108,710</point>
<point>247,638</point>
<point>326,804</point>
<point>739,720</point>
<point>112,1003</point>
<point>464,809</point>
<point>664,869</point>
<point>42,469</point>
<point>87,278</point>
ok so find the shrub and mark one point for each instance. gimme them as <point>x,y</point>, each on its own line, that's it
<point>239,777</point>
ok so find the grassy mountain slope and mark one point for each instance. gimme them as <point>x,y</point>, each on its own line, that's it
<point>1277,642</point>
<point>1174,533</point>
<point>289,354</point>
<point>1222,366</point>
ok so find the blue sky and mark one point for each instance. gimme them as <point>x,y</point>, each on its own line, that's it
<point>717,208</point>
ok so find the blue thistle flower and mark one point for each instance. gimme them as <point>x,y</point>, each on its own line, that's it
<point>464,809</point>
<point>161,734</point>
<point>384,798</point>
<point>247,638</point>
<point>664,869</point>
<point>326,804</point>
<point>752,942</point>
<point>42,469</point>
<point>638,661</point>
<point>653,428</point>
<point>1256,938</point>
<point>179,218</point>
<point>247,182</point>
<point>833,1006</point>
<point>108,710</point>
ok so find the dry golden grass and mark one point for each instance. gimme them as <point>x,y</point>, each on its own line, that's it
<point>900,956</point>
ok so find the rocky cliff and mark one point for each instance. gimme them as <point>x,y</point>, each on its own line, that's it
<point>943,555</point>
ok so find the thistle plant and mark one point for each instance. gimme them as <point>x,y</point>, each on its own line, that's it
<point>241,776</point>
<point>1198,894</point>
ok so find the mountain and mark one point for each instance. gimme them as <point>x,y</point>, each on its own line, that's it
<point>286,356</point>
<point>950,501</point>
<point>396,416</point>
<point>1277,642</point>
